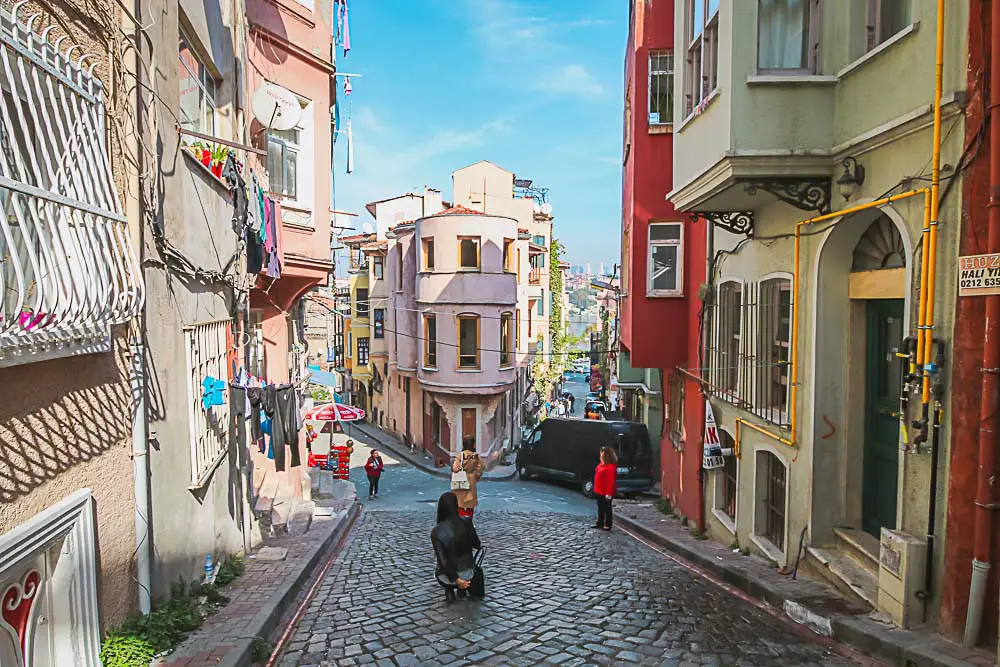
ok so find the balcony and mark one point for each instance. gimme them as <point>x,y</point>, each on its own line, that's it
<point>535,276</point>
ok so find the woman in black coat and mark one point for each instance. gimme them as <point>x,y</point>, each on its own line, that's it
<point>454,541</point>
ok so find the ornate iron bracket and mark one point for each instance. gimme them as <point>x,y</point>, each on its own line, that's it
<point>737,222</point>
<point>807,194</point>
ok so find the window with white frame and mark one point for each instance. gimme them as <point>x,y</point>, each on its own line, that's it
<point>787,35</point>
<point>198,89</point>
<point>727,481</point>
<point>363,349</point>
<point>666,259</point>
<point>774,342</point>
<point>283,161</point>
<point>701,75</point>
<point>885,18</point>
<point>728,321</point>
<point>661,87</point>
<point>206,347</point>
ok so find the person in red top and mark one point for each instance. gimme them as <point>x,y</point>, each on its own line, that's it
<point>605,486</point>
<point>373,468</point>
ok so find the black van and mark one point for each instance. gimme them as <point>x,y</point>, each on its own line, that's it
<point>569,449</point>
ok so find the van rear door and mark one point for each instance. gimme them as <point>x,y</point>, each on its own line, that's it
<point>635,454</point>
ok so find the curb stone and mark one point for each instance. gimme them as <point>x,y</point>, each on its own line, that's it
<point>814,605</point>
<point>386,443</point>
<point>267,619</point>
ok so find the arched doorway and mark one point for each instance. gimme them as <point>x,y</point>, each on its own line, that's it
<point>361,397</point>
<point>862,303</point>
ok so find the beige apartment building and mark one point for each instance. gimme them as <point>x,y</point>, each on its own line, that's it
<point>781,116</point>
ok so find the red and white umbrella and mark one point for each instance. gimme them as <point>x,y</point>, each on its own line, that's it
<point>329,412</point>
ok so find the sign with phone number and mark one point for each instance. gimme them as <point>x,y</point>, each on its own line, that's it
<point>979,275</point>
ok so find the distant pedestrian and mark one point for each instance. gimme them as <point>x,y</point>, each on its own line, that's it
<point>561,409</point>
<point>373,468</point>
<point>469,461</point>
<point>605,486</point>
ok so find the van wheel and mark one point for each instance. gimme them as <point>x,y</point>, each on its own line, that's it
<point>522,472</point>
<point>588,488</point>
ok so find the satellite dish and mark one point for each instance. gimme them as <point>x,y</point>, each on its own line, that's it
<point>368,228</point>
<point>536,207</point>
<point>276,108</point>
<point>547,208</point>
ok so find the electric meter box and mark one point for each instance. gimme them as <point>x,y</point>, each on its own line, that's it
<point>901,577</point>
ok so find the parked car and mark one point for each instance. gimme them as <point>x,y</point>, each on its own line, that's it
<point>569,449</point>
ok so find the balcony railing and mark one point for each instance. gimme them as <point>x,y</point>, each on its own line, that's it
<point>535,277</point>
<point>68,271</point>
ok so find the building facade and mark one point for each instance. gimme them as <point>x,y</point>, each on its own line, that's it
<point>809,326</point>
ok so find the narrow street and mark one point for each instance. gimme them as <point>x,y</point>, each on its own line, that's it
<point>557,591</point>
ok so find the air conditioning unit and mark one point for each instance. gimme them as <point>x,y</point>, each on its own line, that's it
<point>901,577</point>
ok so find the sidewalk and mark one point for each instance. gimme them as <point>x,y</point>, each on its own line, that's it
<point>268,587</point>
<point>419,460</point>
<point>803,600</point>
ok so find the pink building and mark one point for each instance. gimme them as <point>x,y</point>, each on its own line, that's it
<point>452,325</point>
<point>291,46</point>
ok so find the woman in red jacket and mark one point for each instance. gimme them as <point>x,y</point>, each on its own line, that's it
<point>373,468</point>
<point>605,486</point>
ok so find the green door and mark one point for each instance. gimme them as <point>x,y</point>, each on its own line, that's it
<point>883,377</point>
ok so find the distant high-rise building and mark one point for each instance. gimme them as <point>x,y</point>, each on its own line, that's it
<point>586,268</point>
<point>603,271</point>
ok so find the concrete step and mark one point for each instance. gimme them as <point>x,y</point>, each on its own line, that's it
<point>300,517</point>
<point>859,546</point>
<point>846,574</point>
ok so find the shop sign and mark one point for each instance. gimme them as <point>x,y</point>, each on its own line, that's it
<point>712,456</point>
<point>979,275</point>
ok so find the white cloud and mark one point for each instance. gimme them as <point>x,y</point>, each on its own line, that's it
<point>573,79</point>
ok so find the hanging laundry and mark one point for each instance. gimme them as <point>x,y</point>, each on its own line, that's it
<point>348,88</point>
<point>344,25</point>
<point>336,120</point>
<point>253,214</point>
<point>238,186</point>
<point>350,148</point>
<point>255,253</point>
<point>212,392</point>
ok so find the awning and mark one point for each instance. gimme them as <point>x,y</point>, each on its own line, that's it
<point>329,412</point>
<point>323,378</point>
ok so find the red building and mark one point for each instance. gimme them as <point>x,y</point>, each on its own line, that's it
<point>663,266</point>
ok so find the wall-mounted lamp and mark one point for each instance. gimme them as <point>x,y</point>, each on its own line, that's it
<point>852,178</point>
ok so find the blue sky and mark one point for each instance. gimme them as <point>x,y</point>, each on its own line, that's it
<point>534,86</point>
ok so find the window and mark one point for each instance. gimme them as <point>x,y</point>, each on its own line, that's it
<point>729,316</point>
<point>468,253</point>
<point>539,239</point>
<point>206,347</point>
<point>661,87</point>
<point>541,304</point>
<point>468,341</point>
<point>428,246</point>
<point>378,267</point>
<point>379,323</point>
<point>666,259</point>
<point>283,161</point>
<point>625,262</point>
<point>729,477</point>
<point>517,329</point>
<point>701,75</point>
<point>786,38</point>
<point>774,344</point>
<point>361,305</point>
<point>885,19</point>
<point>769,518</point>
<point>675,410</point>
<point>363,350</point>
<point>399,268</point>
<point>508,256</point>
<point>430,341</point>
<point>506,338</point>
<point>350,345</point>
<point>198,91</point>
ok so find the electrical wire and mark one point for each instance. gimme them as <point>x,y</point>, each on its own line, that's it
<point>381,300</point>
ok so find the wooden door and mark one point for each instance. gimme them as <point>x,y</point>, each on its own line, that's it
<point>468,427</point>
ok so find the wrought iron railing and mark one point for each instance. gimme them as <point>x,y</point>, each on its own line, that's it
<point>69,271</point>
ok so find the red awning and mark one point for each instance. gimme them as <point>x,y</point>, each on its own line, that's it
<point>329,412</point>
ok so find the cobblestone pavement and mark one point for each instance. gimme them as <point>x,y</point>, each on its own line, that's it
<point>557,593</point>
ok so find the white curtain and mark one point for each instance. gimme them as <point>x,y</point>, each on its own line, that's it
<point>782,26</point>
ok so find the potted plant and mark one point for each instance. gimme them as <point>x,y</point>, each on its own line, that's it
<point>218,154</point>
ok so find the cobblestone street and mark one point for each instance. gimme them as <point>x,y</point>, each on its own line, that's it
<point>557,592</point>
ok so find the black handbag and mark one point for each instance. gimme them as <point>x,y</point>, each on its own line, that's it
<point>477,587</point>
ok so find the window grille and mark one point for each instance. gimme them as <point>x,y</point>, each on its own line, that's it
<point>771,492</point>
<point>68,271</point>
<point>675,410</point>
<point>748,347</point>
<point>661,87</point>
<point>730,479</point>
<point>206,357</point>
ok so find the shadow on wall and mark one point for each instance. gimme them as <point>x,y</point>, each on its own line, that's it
<point>57,414</point>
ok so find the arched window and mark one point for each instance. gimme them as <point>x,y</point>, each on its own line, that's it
<point>771,483</point>
<point>774,341</point>
<point>881,247</point>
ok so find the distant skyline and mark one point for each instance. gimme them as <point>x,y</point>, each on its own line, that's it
<point>535,87</point>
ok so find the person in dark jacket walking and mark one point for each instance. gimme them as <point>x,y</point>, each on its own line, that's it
<point>454,540</point>
<point>373,468</point>
<point>605,486</point>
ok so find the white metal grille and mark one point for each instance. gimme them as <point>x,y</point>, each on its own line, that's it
<point>68,269</point>
<point>206,348</point>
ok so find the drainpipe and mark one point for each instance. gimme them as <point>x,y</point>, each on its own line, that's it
<point>985,505</point>
<point>137,371</point>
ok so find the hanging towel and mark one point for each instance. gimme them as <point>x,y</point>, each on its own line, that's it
<point>212,392</point>
<point>348,88</point>
<point>345,25</point>
<point>350,149</point>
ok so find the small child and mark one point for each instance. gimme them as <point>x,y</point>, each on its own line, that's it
<point>373,469</point>
<point>605,486</point>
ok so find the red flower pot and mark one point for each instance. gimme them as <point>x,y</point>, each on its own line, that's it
<point>206,157</point>
<point>217,169</point>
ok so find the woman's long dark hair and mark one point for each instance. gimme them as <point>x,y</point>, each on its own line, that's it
<point>447,507</point>
<point>469,444</point>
